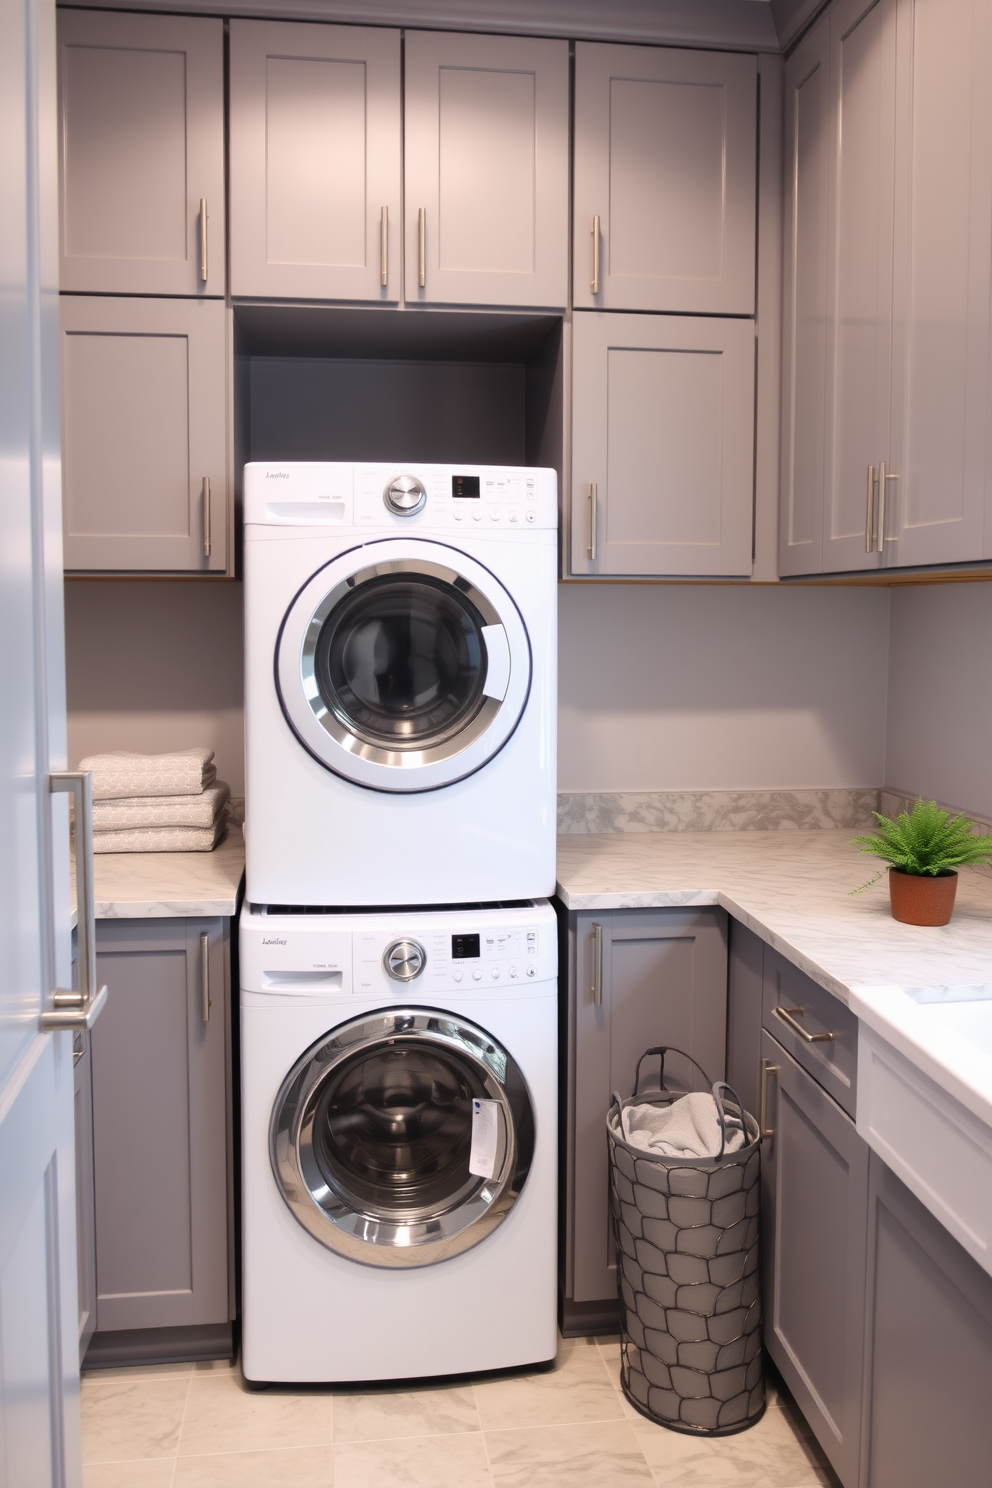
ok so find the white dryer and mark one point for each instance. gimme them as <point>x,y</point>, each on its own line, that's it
<point>400,690</point>
<point>399,1142</point>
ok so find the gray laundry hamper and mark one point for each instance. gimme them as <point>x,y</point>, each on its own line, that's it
<point>686,1233</point>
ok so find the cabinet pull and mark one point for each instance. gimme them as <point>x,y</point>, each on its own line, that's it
<point>422,247</point>
<point>597,964</point>
<point>205,502</point>
<point>384,247</point>
<point>883,476</point>
<point>870,511</point>
<point>789,1016</point>
<point>70,1009</point>
<point>594,282</point>
<point>593,518</point>
<point>205,976</point>
<point>78,1048</point>
<point>203,240</point>
<point>767,1070</point>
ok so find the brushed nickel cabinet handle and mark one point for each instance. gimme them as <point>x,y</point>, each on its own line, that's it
<point>72,1010</point>
<point>205,502</point>
<point>384,247</point>
<point>593,518</point>
<point>205,976</point>
<point>422,247</point>
<point>883,476</point>
<point>597,964</point>
<point>203,240</point>
<point>789,1016</point>
<point>767,1071</point>
<point>594,282</point>
<point>870,510</point>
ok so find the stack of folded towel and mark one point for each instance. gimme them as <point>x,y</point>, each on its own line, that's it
<point>156,802</point>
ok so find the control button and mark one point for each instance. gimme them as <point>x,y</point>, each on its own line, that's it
<point>494,515</point>
<point>514,517</point>
<point>405,496</point>
<point>532,971</point>
<point>477,974</point>
<point>495,973</point>
<point>532,516</point>
<point>456,976</point>
<point>459,516</point>
<point>513,971</point>
<point>477,516</point>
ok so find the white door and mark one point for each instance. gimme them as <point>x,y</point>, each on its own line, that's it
<point>485,170</point>
<point>665,160</point>
<point>662,444</point>
<point>39,1381</point>
<point>315,161</point>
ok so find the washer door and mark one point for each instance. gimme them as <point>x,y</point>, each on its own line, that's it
<point>372,1130</point>
<point>403,665</point>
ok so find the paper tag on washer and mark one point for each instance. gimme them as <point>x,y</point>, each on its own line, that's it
<point>482,1158</point>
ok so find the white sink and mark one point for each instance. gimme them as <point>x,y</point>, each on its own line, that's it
<point>924,1099</point>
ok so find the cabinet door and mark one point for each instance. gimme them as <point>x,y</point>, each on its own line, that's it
<point>315,161</point>
<point>804,330</point>
<point>665,154</point>
<point>814,1176</point>
<point>859,269</point>
<point>85,1211</point>
<point>943,242</point>
<point>662,976</point>
<point>141,128</point>
<point>160,1115</point>
<point>144,435</point>
<point>486,170</point>
<point>662,444</point>
<point>929,1314</point>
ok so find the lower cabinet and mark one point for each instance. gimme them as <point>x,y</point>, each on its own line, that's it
<point>636,978</point>
<point>82,1072</point>
<point>161,1131</point>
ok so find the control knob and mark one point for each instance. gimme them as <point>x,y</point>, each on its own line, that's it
<point>405,496</point>
<point>404,960</point>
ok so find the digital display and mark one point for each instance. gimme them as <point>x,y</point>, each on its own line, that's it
<point>464,947</point>
<point>465,486</point>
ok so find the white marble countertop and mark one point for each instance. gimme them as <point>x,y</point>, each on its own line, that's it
<point>792,888</point>
<point>146,886</point>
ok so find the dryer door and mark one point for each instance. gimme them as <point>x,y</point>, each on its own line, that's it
<point>403,1137</point>
<point>403,665</point>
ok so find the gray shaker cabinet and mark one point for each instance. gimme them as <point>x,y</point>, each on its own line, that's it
<point>929,1348</point>
<point>662,445</point>
<point>161,1122</point>
<point>315,142</point>
<point>82,1073</point>
<point>145,459</point>
<point>141,158</point>
<point>636,978</point>
<point>664,197</point>
<point>485,169</point>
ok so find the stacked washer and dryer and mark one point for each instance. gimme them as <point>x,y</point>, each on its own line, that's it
<point>398,953</point>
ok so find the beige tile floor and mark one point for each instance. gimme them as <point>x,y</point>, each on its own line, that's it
<point>195,1426</point>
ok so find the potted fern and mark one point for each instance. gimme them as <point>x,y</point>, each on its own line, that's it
<point>925,847</point>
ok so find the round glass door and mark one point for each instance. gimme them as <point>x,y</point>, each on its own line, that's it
<point>371,1137</point>
<point>400,671</point>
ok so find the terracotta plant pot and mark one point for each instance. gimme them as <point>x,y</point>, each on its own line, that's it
<point>920,899</point>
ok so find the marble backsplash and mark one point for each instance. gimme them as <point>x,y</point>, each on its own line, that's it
<point>717,811</point>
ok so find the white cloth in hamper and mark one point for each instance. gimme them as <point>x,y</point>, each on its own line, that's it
<point>161,839</point>
<point>118,775</point>
<point>133,812</point>
<point>689,1127</point>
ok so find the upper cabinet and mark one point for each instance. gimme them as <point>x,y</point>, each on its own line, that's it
<point>665,180</point>
<point>141,129</point>
<point>887,316</point>
<point>315,148</point>
<point>486,170</point>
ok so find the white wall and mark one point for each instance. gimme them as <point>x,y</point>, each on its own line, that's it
<point>939,728</point>
<point>720,688</point>
<point>156,666</point>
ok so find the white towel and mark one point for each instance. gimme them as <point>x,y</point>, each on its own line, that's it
<point>121,775</point>
<point>689,1127</point>
<point>161,839</point>
<point>133,812</point>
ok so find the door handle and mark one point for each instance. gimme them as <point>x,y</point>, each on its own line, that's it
<point>207,514</point>
<point>597,965</point>
<point>384,247</point>
<point>594,282</point>
<point>203,240</point>
<point>870,510</point>
<point>422,247</point>
<point>767,1071</point>
<point>69,1009</point>
<point>789,1016</point>
<point>593,518</point>
<point>205,976</point>
<point>883,476</point>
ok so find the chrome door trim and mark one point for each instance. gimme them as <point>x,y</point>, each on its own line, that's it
<point>421,1237</point>
<point>339,747</point>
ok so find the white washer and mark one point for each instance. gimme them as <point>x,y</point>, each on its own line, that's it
<point>400,689</point>
<point>399,1142</point>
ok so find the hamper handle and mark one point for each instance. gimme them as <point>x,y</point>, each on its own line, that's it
<point>662,1050</point>
<point>722,1085</point>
